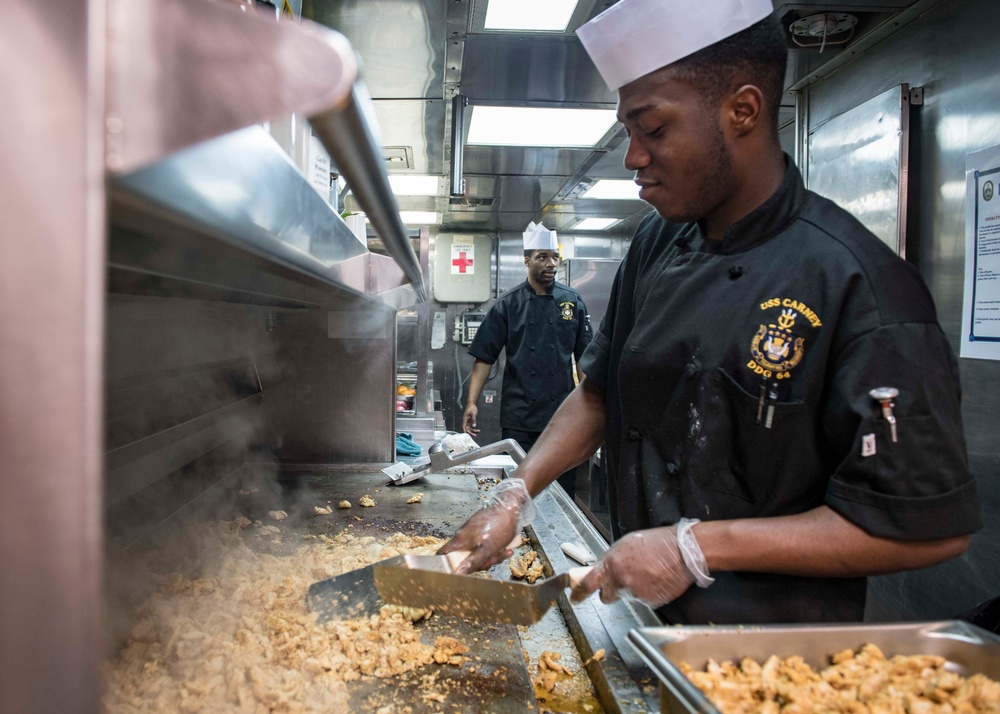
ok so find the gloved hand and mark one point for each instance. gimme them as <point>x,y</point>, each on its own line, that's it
<point>469,420</point>
<point>488,534</point>
<point>655,566</point>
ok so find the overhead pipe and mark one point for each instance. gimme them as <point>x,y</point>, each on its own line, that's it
<point>458,104</point>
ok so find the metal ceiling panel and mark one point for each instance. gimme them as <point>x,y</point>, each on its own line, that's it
<point>565,224</point>
<point>534,69</point>
<point>481,186</point>
<point>418,124</point>
<point>526,193</point>
<point>519,199</point>
<point>612,165</point>
<point>529,161</point>
<point>566,213</point>
<point>401,42</point>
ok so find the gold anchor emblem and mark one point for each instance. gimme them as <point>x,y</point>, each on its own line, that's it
<point>786,319</point>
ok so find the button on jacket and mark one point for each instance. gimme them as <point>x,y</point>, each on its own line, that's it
<point>737,376</point>
<point>540,334</point>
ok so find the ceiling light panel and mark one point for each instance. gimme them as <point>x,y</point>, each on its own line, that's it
<point>413,185</point>
<point>529,15</point>
<point>538,126</point>
<point>620,189</point>
<point>419,218</point>
<point>595,224</point>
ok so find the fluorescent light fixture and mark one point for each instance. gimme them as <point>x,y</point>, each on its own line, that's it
<point>595,224</point>
<point>621,189</point>
<point>538,126</point>
<point>413,185</point>
<point>530,15</point>
<point>419,218</point>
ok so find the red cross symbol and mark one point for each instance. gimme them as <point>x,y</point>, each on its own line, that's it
<point>461,262</point>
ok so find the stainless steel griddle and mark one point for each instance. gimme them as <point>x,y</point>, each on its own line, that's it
<point>500,680</point>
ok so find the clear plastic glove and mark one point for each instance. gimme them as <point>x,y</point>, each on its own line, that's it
<point>655,566</point>
<point>487,536</point>
<point>469,420</point>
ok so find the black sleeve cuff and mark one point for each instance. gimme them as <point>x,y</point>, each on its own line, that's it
<point>595,360</point>
<point>945,515</point>
<point>481,355</point>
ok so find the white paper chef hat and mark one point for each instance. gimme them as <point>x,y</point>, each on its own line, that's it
<point>538,237</point>
<point>636,37</point>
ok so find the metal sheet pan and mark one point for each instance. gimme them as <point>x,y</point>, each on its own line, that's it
<point>968,649</point>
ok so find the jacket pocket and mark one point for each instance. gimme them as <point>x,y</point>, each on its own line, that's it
<point>728,451</point>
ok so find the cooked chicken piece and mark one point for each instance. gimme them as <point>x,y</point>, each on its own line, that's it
<point>344,504</point>
<point>448,650</point>
<point>598,656</point>
<point>413,614</point>
<point>526,567</point>
<point>415,498</point>
<point>550,661</point>
<point>367,501</point>
<point>278,515</point>
<point>546,680</point>
<point>322,510</point>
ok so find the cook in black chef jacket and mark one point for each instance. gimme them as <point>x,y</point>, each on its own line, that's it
<point>542,325</point>
<point>778,404</point>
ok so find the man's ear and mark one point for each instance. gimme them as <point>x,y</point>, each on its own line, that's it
<point>744,109</point>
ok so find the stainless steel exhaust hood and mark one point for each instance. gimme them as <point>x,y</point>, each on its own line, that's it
<point>183,71</point>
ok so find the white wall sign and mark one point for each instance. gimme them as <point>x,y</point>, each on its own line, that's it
<point>981,305</point>
<point>318,171</point>
<point>463,258</point>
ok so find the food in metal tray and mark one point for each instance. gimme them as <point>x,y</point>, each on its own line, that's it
<point>855,681</point>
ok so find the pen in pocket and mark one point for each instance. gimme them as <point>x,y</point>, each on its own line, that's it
<point>772,397</point>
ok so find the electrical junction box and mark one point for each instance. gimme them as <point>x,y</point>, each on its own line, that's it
<point>461,269</point>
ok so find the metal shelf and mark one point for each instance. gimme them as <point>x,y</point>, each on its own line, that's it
<point>239,198</point>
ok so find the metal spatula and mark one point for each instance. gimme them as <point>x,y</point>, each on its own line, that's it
<point>353,595</point>
<point>348,596</point>
<point>440,460</point>
<point>429,581</point>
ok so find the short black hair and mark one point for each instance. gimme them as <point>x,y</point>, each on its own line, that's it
<point>757,55</point>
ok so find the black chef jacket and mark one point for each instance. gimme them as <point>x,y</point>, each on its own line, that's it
<point>736,378</point>
<point>540,333</point>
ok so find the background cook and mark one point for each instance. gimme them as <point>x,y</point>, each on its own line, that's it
<point>542,325</point>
